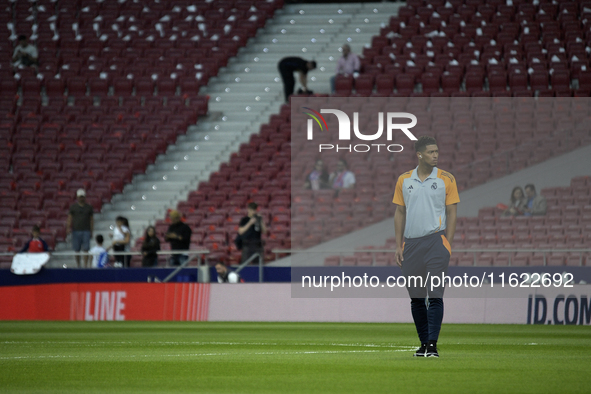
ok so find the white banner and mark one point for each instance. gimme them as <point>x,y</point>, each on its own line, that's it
<point>273,302</point>
<point>28,263</point>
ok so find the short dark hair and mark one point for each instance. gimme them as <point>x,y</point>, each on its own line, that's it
<point>36,228</point>
<point>253,205</point>
<point>99,239</point>
<point>530,186</point>
<point>22,37</point>
<point>423,141</point>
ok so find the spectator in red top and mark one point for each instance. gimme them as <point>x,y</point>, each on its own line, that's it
<point>36,244</point>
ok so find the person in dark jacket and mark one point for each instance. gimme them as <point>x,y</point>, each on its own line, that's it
<point>287,66</point>
<point>179,237</point>
<point>150,246</point>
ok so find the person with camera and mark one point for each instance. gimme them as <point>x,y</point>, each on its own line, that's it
<point>25,54</point>
<point>250,230</point>
<point>225,275</point>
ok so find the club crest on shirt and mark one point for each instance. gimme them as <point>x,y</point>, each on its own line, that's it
<point>434,185</point>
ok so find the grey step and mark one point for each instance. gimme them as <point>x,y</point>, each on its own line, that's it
<point>132,215</point>
<point>201,154</point>
<point>313,20</point>
<point>275,29</point>
<point>176,183</point>
<point>142,206</point>
<point>153,195</point>
<point>174,180</point>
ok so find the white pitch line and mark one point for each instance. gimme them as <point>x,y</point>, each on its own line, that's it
<point>203,343</point>
<point>207,354</point>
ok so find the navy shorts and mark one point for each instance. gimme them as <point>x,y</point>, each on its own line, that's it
<point>81,241</point>
<point>425,257</point>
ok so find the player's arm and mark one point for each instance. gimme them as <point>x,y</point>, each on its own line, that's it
<point>399,225</point>
<point>451,212</point>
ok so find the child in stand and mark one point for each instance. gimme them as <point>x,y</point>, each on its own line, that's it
<point>100,258</point>
<point>121,240</point>
<point>36,244</point>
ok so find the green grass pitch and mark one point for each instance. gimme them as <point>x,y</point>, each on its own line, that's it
<point>146,357</point>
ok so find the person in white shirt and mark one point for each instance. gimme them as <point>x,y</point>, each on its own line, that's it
<point>225,275</point>
<point>348,64</point>
<point>100,258</point>
<point>121,241</point>
<point>25,54</point>
<point>342,178</point>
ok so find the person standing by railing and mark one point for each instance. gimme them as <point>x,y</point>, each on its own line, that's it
<point>150,247</point>
<point>80,224</point>
<point>251,228</point>
<point>121,240</point>
<point>179,237</point>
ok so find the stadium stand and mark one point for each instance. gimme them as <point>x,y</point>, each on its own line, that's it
<point>484,48</point>
<point>566,226</point>
<point>480,49</point>
<point>436,48</point>
<point>447,70</point>
<point>117,83</point>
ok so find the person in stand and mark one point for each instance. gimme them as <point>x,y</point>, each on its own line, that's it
<point>150,247</point>
<point>536,204</point>
<point>25,54</point>
<point>251,228</point>
<point>80,224</point>
<point>100,258</point>
<point>318,178</point>
<point>225,275</point>
<point>36,244</point>
<point>289,65</point>
<point>516,203</point>
<point>342,178</point>
<point>425,223</point>
<point>179,237</point>
<point>121,241</point>
<point>348,64</point>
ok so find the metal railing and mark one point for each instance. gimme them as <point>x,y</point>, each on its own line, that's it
<point>251,258</point>
<point>192,254</point>
<point>475,253</point>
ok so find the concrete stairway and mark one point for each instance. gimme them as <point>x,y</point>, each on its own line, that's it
<point>242,97</point>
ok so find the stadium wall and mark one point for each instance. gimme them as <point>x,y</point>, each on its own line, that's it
<point>273,302</point>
